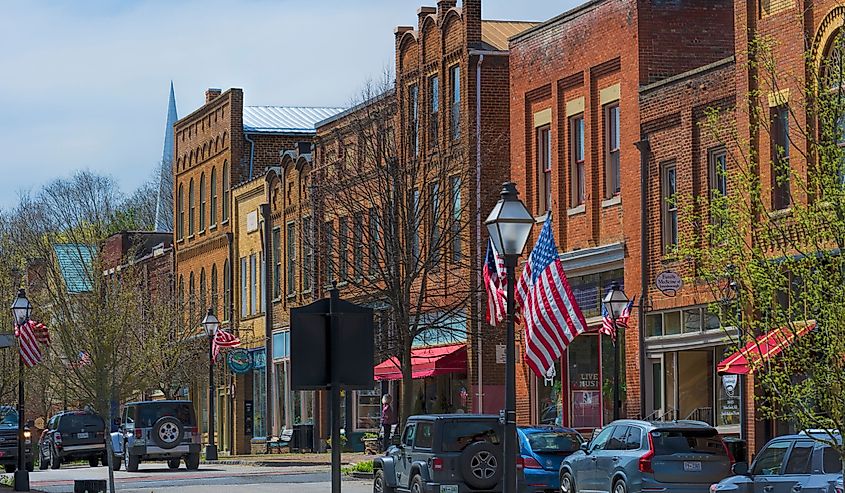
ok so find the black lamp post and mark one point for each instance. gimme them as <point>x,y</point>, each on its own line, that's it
<point>509,225</point>
<point>614,302</point>
<point>21,308</point>
<point>211,325</point>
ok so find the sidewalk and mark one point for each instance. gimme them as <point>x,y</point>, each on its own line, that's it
<point>290,459</point>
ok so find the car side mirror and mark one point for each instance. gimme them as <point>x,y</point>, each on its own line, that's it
<point>585,447</point>
<point>740,469</point>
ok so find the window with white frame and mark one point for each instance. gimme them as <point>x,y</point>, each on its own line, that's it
<point>455,223</point>
<point>277,262</point>
<point>308,250</point>
<point>253,285</point>
<point>687,320</point>
<point>434,109</point>
<point>669,205</point>
<point>544,169</point>
<point>613,174</point>
<point>367,410</point>
<point>290,241</point>
<point>455,76</point>
<point>434,224</point>
<point>244,289</point>
<point>577,155</point>
<point>718,171</point>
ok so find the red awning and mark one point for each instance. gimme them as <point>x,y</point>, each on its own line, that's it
<point>766,346</point>
<point>427,362</point>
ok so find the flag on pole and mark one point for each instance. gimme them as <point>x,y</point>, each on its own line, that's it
<point>551,313</point>
<point>621,320</point>
<point>494,283</point>
<point>29,335</point>
<point>223,339</point>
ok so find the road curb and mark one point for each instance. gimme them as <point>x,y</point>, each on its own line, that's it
<point>269,463</point>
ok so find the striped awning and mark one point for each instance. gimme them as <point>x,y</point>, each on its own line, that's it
<point>764,347</point>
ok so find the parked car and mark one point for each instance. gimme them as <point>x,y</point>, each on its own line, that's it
<point>72,435</point>
<point>9,440</point>
<point>788,464</point>
<point>444,453</point>
<point>158,430</point>
<point>634,456</point>
<point>542,449</point>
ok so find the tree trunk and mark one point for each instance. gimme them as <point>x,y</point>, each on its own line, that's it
<point>407,394</point>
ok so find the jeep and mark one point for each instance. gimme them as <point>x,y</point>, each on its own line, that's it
<point>158,430</point>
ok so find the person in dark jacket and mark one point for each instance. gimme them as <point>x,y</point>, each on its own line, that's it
<point>388,419</point>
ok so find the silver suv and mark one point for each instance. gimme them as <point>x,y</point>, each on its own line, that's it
<point>634,456</point>
<point>158,430</point>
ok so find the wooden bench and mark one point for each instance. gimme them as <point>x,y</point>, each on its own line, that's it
<point>277,443</point>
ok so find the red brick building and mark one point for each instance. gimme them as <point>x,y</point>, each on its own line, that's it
<point>575,126</point>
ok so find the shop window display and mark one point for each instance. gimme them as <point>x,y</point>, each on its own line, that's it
<point>549,402</point>
<point>584,383</point>
<point>367,409</point>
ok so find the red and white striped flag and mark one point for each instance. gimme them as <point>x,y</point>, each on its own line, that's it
<point>223,339</point>
<point>494,283</point>
<point>29,335</point>
<point>551,313</point>
<point>621,320</point>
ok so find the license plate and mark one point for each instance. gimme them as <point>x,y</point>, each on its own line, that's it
<point>692,466</point>
<point>448,488</point>
<point>82,435</point>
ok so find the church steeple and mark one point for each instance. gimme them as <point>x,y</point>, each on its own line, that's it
<point>164,202</point>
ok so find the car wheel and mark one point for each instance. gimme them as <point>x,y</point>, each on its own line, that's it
<point>94,461</point>
<point>173,463</point>
<point>417,484</point>
<point>43,462</point>
<point>620,487</point>
<point>168,432</point>
<point>10,468</point>
<point>567,484</point>
<point>192,461</point>
<point>380,483</point>
<point>130,461</point>
<point>481,465</point>
<point>55,460</point>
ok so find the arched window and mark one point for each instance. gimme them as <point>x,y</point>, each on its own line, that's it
<point>191,208</point>
<point>831,106</point>
<point>202,202</point>
<point>227,289</point>
<point>214,300</point>
<point>192,293</point>
<point>225,191</point>
<point>212,212</point>
<point>180,207</point>
<point>203,287</point>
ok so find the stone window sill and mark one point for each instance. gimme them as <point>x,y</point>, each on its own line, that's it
<point>574,211</point>
<point>615,200</point>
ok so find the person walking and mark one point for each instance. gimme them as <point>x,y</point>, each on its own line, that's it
<point>388,419</point>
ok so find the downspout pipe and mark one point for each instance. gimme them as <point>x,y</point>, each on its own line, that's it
<point>230,310</point>
<point>645,152</point>
<point>251,155</point>
<point>478,250</point>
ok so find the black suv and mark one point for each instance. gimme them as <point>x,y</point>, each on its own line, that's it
<point>73,435</point>
<point>158,430</point>
<point>444,453</point>
<point>9,440</point>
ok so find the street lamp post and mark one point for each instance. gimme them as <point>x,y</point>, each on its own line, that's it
<point>21,308</point>
<point>614,302</point>
<point>509,225</point>
<point>211,325</point>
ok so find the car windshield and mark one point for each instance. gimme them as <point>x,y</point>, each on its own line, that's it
<point>8,417</point>
<point>458,434</point>
<point>148,414</point>
<point>554,441</point>
<point>668,442</point>
<point>81,421</point>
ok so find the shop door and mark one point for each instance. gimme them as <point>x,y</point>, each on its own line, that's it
<point>222,419</point>
<point>654,388</point>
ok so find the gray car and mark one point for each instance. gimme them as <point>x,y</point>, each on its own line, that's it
<point>787,464</point>
<point>636,456</point>
<point>158,430</point>
<point>444,453</point>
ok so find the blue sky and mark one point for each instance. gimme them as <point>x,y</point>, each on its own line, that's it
<point>85,84</point>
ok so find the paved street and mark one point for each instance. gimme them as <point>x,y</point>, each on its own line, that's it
<point>156,477</point>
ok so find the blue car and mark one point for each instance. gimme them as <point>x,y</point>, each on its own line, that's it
<point>542,449</point>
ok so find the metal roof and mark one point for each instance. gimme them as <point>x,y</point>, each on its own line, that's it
<point>495,34</point>
<point>285,119</point>
<point>75,261</point>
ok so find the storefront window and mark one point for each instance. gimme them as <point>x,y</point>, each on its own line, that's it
<point>584,384</point>
<point>303,407</point>
<point>367,409</point>
<point>692,320</point>
<point>671,323</point>
<point>671,389</point>
<point>281,394</point>
<point>695,385</point>
<point>607,370</point>
<point>686,321</point>
<point>259,394</point>
<point>549,401</point>
<point>590,289</point>
<point>442,394</point>
<point>654,325</point>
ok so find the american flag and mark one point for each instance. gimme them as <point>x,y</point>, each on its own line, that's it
<point>621,321</point>
<point>494,283</point>
<point>551,313</point>
<point>29,335</point>
<point>84,359</point>
<point>223,339</point>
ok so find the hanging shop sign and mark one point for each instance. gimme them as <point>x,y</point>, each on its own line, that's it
<point>669,282</point>
<point>239,361</point>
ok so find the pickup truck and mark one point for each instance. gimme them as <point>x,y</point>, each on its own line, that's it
<point>9,440</point>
